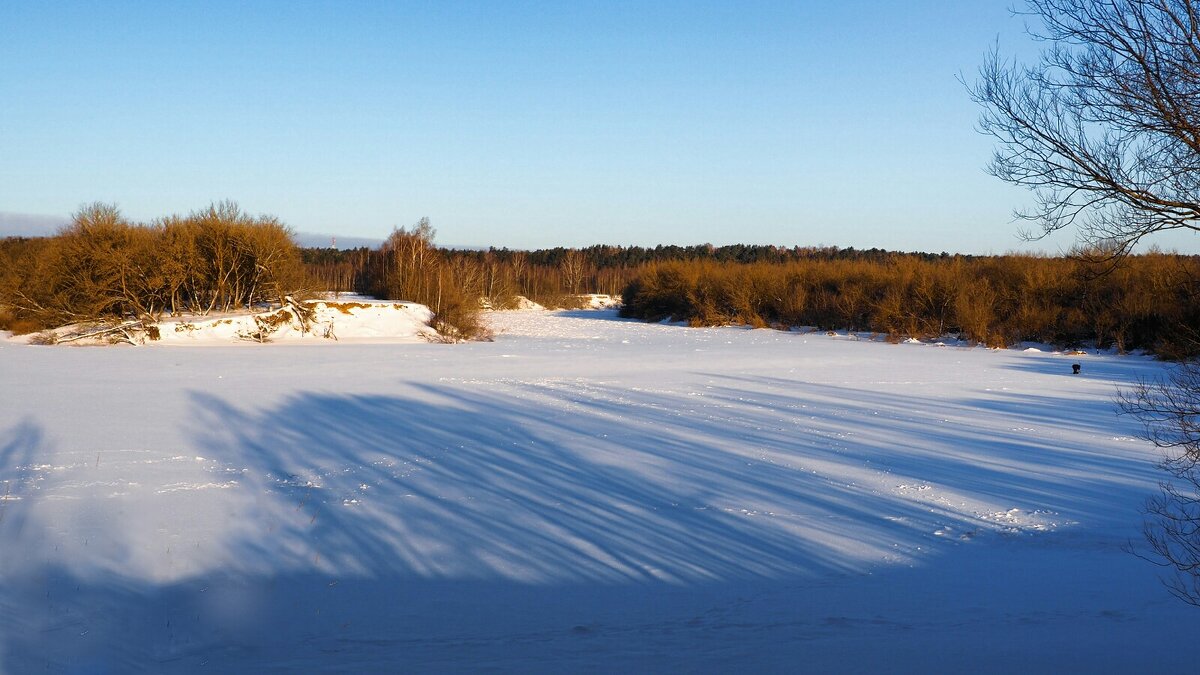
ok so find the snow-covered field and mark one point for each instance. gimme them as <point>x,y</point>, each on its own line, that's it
<point>583,494</point>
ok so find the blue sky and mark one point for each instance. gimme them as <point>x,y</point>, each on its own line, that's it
<point>519,124</point>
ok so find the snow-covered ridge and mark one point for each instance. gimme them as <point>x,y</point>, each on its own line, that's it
<point>354,319</point>
<point>600,301</point>
<point>325,320</point>
<point>344,317</point>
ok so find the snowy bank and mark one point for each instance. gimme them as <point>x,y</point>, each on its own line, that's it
<point>354,319</point>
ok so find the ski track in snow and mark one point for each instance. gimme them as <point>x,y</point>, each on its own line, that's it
<point>585,493</point>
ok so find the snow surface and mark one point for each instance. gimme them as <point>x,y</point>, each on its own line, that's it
<point>352,319</point>
<point>600,301</point>
<point>584,494</point>
<point>524,303</point>
<point>349,318</point>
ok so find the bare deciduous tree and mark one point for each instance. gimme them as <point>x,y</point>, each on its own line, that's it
<point>416,270</point>
<point>1105,128</point>
<point>413,261</point>
<point>1170,409</point>
<point>573,270</point>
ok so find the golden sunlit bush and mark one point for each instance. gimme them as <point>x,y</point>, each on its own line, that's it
<point>1150,302</point>
<point>103,266</point>
<point>408,267</point>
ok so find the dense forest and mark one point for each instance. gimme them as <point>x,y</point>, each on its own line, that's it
<point>221,259</point>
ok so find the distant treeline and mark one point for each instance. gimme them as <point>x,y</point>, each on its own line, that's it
<point>551,276</point>
<point>548,277</point>
<point>1149,301</point>
<point>219,258</point>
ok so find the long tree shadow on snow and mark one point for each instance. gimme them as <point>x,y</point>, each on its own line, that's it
<point>20,449</point>
<point>438,526</point>
<point>1019,449</point>
<point>467,485</point>
<point>558,484</point>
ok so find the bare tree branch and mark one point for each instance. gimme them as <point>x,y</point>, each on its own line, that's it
<point>1105,128</point>
<point>1170,410</point>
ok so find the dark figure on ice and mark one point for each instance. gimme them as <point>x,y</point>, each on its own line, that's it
<point>1075,368</point>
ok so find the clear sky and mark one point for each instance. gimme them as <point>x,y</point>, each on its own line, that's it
<point>519,124</point>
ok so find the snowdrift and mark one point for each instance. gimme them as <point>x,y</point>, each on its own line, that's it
<point>354,319</point>
<point>600,301</point>
<point>325,320</point>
